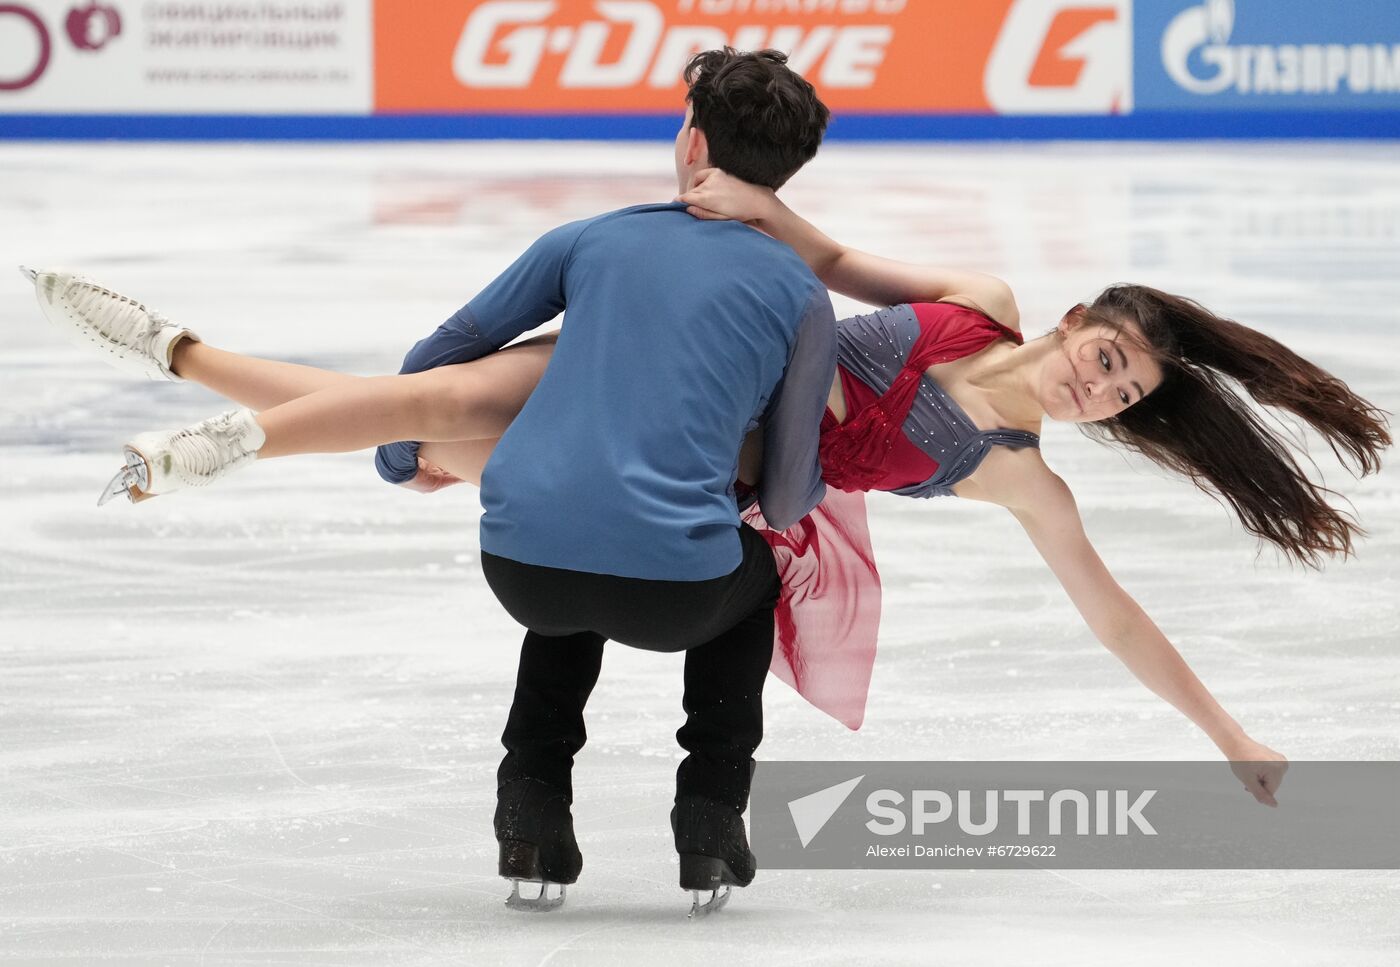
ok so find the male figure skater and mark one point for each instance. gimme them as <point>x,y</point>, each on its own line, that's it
<point>609,503</point>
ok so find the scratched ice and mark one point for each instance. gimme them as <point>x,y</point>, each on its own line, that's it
<point>259,724</point>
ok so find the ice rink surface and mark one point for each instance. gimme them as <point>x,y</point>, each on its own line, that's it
<point>258,725</point>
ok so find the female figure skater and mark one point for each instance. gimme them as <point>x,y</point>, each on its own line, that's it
<point>939,394</point>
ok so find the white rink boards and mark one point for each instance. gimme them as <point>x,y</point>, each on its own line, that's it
<point>259,725</point>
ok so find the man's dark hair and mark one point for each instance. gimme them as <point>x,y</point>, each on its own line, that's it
<point>761,120</point>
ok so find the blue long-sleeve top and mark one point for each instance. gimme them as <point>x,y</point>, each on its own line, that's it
<point>679,336</point>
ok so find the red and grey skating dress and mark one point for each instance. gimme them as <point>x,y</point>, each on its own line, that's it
<point>902,434</point>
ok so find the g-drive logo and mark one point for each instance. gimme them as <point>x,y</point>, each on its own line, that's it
<point>654,51</point>
<point>1038,812</point>
<point>1198,56</point>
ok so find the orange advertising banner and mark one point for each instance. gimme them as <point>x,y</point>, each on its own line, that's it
<point>621,56</point>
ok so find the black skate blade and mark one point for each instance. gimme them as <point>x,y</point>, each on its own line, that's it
<point>714,904</point>
<point>539,904</point>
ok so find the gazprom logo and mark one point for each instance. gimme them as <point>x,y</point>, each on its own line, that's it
<point>1198,56</point>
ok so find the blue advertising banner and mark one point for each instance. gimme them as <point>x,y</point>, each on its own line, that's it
<point>1266,55</point>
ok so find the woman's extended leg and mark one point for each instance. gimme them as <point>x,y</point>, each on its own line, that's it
<point>311,410</point>
<point>262,384</point>
<point>473,402</point>
<point>468,401</point>
<point>256,383</point>
<point>339,413</point>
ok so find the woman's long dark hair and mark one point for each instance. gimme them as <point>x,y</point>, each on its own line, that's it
<point>1197,424</point>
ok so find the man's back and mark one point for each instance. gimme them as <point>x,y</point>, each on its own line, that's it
<point>676,337</point>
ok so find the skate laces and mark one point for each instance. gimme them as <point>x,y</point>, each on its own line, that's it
<point>116,317</point>
<point>205,452</point>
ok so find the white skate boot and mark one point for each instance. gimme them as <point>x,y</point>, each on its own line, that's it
<point>167,460</point>
<point>126,333</point>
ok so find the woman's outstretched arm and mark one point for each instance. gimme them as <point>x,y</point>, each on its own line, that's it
<point>1044,506</point>
<point>860,275</point>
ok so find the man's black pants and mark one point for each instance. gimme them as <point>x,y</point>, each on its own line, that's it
<point>725,627</point>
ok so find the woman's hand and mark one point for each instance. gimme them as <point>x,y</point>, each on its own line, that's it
<point>717,195</point>
<point>1259,767</point>
<point>430,478</point>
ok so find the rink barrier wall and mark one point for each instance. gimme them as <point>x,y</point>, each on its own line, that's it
<point>1144,125</point>
<point>612,69</point>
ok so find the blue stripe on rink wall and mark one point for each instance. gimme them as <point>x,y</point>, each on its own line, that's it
<point>851,127</point>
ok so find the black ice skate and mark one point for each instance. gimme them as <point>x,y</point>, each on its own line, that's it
<point>714,851</point>
<point>535,831</point>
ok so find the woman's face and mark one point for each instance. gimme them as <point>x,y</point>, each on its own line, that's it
<point>1099,371</point>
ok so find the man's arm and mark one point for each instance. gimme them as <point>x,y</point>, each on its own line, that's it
<point>860,275</point>
<point>523,297</point>
<point>791,484</point>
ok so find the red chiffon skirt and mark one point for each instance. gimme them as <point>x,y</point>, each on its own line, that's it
<point>829,613</point>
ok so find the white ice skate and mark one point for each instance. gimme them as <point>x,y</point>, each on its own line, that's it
<point>123,331</point>
<point>168,460</point>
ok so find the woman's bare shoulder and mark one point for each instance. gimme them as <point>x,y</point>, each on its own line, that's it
<point>1015,478</point>
<point>993,298</point>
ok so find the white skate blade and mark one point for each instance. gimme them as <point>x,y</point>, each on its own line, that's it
<point>29,273</point>
<point>540,904</point>
<point>131,480</point>
<point>714,904</point>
